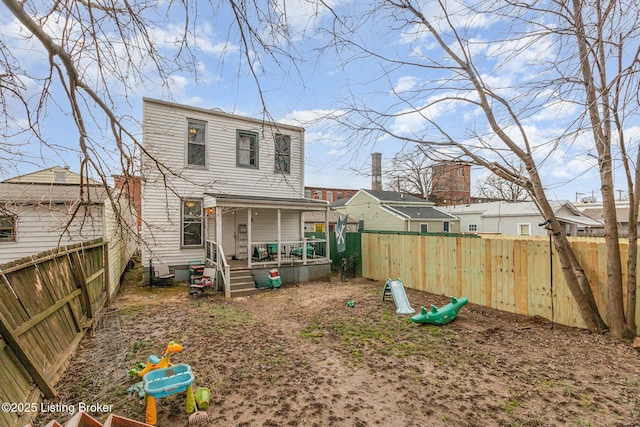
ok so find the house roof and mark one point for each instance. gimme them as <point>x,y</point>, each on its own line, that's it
<point>48,193</point>
<point>422,212</point>
<point>622,214</point>
<point>395,197</point>
<point>505,209</point>
<point>240,200</point>
<point>219,112</point>
<point>53,175</point>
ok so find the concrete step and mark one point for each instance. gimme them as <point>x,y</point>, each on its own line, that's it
<point>242,283</point>
<point>244,292</point>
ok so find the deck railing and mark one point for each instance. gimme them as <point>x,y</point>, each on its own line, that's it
<point>215,257</point>
<point>288,253</point>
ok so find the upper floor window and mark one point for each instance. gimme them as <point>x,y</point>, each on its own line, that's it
<point>424,228</point>
<point>247,149</point>
<point>283,154</point>
<point>524,229</point>
<point>7,229</point>
<point>192,223</point>
<point>339,195</point>
<point>473,227</point>
<point>196,147</point>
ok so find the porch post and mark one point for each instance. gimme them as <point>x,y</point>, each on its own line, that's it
<point>218,234</point>
<point>304,240</point>
<point>279,236</point>
<point>326,232</point>
<point>249,253</point>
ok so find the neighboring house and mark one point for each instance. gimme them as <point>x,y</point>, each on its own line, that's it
<point>594,210</point>
<point>37,214</point>
<point>521,218</point>
<point>394,211</point>
<point>314,222</point>
<point>237,193</point>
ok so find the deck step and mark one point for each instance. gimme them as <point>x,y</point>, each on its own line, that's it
<point>242,283</point>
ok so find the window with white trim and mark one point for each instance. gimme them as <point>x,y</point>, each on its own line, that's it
<point>473,227</point>
<point>445,226</point>
<point>196,143</point>
<point>424,228</point>
<point>283,154</point>
<point>524,229</point>
<point>7,228</point>
<point>247,149</point>
<point>192,223</point>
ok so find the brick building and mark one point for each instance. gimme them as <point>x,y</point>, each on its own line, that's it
<point>451,183</point>
<point>328,194</point>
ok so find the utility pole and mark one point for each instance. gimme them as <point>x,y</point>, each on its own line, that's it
<point>578,194</point>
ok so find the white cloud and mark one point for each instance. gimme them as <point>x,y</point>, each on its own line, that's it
<point>406,83</point>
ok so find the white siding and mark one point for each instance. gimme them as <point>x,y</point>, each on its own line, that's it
<point>122,239</point>
<point>41,228</point>
<point>509,225</point>
<point>165,132</point>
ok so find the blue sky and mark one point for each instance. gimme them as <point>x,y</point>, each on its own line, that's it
<point>321,85</point>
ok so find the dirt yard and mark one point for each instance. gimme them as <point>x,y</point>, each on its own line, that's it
<point>301,356</point>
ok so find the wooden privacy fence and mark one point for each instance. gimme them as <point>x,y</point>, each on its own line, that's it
<point>46,303</point>
<point>513,274</point>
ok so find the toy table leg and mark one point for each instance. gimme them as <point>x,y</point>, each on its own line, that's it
<point>191,401</point>
<point>151,411</point>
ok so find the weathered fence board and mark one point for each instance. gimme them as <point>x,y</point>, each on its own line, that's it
<point>504,272</point>
<point>47,303</point>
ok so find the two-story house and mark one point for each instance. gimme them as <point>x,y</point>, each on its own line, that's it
<point>229,190</point>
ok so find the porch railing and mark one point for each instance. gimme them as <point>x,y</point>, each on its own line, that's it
<point>288,253</point>
<point>215,257</point>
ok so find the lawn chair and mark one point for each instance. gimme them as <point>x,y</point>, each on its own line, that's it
<point>260,254</point>
<point>162,275</point>
<point>298,251</point>
<point>203,284</point>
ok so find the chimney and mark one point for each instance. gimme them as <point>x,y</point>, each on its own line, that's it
<point>376,171</point>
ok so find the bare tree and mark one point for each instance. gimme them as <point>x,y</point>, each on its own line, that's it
<point>90,60</point>
<point>409,172</point>
<point>502,65</point>
<point>494,187</point>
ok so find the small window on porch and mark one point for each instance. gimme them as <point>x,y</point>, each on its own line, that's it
<point>192,225</point>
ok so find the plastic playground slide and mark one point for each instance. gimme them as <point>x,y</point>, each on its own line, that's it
<point>399,296</point>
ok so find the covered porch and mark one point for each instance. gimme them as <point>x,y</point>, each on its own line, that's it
<point>261,233</point>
